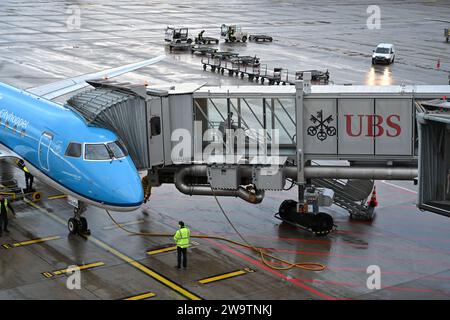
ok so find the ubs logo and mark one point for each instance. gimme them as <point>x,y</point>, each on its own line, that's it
<point>373,125</point>
<point>321,127</point>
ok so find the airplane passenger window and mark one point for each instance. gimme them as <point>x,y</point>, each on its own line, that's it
<point>73,150</point>
<point>97,152</point>
<point>118,149</point>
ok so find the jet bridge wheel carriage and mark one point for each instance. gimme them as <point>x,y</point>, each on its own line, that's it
<point>319,223</point>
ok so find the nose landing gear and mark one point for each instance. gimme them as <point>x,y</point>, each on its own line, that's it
<point>78,224</point>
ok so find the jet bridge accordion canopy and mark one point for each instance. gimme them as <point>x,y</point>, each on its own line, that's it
<point>120,111</point>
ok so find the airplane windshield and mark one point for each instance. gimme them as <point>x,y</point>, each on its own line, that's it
<point>118,149</point>
<point>108,151</point>
<point>97,152</point>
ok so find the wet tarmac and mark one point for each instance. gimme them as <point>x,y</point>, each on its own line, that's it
<point>411,248</point>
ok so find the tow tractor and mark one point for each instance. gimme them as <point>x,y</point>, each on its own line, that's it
<point>178,38</point>
<point>232,33</point>
<point>200,39</point>
<point>177,35</point>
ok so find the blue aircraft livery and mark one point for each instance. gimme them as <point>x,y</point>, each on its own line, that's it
<point>59,147</point>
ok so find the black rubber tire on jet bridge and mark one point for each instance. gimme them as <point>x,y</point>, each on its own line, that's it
<point>322,224</point>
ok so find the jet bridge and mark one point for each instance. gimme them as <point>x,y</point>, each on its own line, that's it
<point>433,118</point>
<point>185,134</point>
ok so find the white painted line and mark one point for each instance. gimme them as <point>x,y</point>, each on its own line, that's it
<point>396,186</point>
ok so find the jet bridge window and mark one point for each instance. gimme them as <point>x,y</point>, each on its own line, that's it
<point>155,126</point>
<point>73,150</point>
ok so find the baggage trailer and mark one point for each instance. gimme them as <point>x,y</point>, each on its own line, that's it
<point>212,62</point>
<point>203,50</point>
<point>225,55</point>
<point>317,76</point>
<point>200,39</point>
<point>252,71</point>
<point>215,63</point>
<point>260,38</point>
<point>275,76</point>
<point>247,60</point>
<point>179,46</point>
<point>446,34</point>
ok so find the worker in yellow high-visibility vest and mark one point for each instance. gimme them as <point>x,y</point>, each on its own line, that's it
<point>29,178</point>
<point>181,238</point>
<point>4,206</point>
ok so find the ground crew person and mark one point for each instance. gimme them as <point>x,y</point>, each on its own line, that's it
<point>181,238</point>
<point>200,36</point>
<point>29,178</point>
<point>4,206</point>
<point>147,188</point>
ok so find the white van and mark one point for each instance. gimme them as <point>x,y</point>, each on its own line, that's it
<point>384,53</point>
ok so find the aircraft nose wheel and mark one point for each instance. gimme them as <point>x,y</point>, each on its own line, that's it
<point>72,224</point>
<point>78,226</point>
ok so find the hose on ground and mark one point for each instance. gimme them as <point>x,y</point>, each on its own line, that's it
<point>310,266</point>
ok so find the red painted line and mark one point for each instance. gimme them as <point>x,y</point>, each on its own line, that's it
<point>343,242</point>
<point>295,281</point>
<point>336,283</point>
<point>349,256</point>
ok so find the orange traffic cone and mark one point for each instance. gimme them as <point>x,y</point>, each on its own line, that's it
<point>373,199</point>
<point>438,65</point>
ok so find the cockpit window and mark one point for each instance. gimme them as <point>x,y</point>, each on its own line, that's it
<point>73,150</point>
<point>97,152</point>
<point>118,149</point>
<point>108,151</point>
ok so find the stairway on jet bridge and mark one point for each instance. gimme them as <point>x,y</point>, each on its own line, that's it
<point>350,195</point>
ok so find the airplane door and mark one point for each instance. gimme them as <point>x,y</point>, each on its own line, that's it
<point>44,150</point>
<point>155,132</point>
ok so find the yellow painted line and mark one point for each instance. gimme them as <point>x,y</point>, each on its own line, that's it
<point>130,223</point>
<point>29,242</point>
<point>82,267</point>
<point>62,196</point>
<point>141,296</point>
<point>153,274</point>
<point>162,250</point>
<point>225,276</point>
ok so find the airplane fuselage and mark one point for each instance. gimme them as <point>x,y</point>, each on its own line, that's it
<point>40,131</point>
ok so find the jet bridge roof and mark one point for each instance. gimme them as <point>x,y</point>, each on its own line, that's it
<point>419,91</point>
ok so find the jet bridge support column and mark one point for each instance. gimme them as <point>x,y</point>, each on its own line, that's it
<point>299,144</point>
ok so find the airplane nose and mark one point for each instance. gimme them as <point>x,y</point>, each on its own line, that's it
<point>130,193</point>
<point>126,188</point>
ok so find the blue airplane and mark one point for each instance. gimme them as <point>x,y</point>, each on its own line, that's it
<point>85,162</point>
